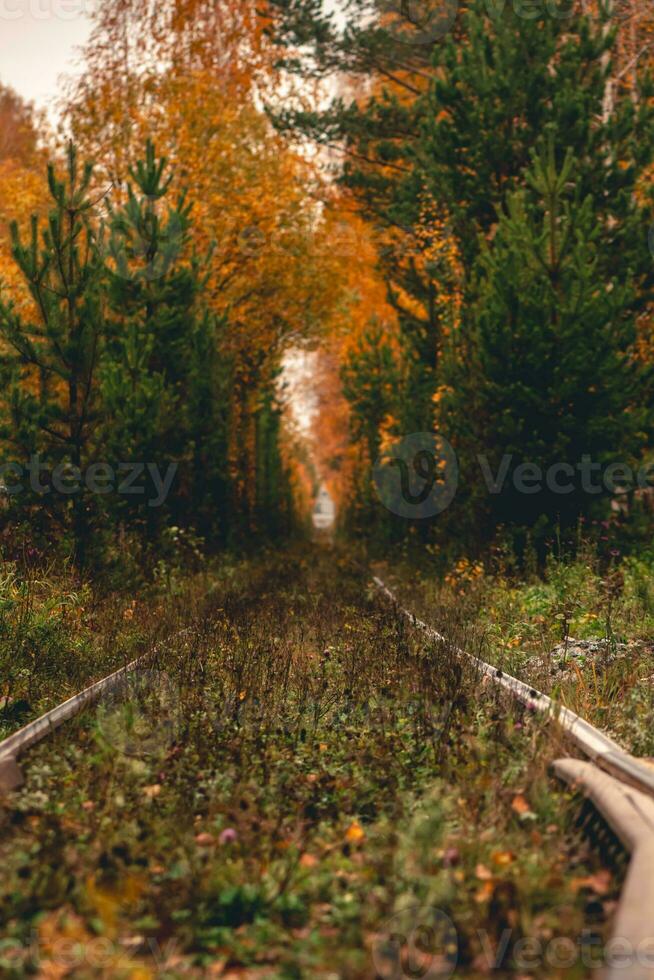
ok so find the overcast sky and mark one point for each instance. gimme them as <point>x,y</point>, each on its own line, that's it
<point>37,44</point>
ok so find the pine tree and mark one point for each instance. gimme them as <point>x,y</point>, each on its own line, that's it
<point>162,384</point>
<point>49,364</point>
<point>546,374</point>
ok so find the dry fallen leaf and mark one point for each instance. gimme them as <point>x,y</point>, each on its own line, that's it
<point>502,857</point>
<point>483,873</point>
<point>354,833</point>
<point>600,882</point>
<point>484,893</point>
<point>519,805</point>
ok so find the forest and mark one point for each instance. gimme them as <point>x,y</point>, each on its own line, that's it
<point>316,318</point>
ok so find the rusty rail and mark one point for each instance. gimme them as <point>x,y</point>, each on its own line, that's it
<point>13,746</point>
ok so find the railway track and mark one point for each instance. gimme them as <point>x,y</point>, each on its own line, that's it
<point>619,785</point>
<point>15,745</point>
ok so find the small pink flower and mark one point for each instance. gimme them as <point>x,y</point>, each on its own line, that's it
<point>228,836</point>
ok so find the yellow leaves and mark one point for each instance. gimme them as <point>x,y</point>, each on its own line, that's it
<point>484,893</point>
<point>67,949</point>
<point>110,903</point>
<point>441,392</point>
<point>463,574</point>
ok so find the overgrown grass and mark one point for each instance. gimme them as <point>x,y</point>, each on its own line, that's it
<point>58,634</point>
<point>289,779</point>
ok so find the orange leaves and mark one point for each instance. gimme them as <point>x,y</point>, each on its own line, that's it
<point>22,191</point>
<point>205,840</point>
<point>599,883</point>
<point>355,833</point>
<point>519,805</point>
<point>502,858</point>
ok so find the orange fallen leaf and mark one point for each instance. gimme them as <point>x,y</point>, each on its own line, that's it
<point>484,893</point>
<point>308,861</point>
<point>520,805</point>
<point>483,873</point>
<point>354,833</point>
<point>502,857</point>
<point>600,882</point>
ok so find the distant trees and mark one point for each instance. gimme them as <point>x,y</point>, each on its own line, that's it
<point>190,76</point>
<point>507,177</point>
<point>18,133</point>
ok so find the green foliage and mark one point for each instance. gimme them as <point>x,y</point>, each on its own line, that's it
<point>162,385</point>
<point>545,370</point>
<point>555,264</point>
<point>120,387</point>
<point>49,365</point>
<point>371,379</point>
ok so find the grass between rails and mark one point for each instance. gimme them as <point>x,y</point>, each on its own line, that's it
<point>284,784</point>
<point>529,627</point>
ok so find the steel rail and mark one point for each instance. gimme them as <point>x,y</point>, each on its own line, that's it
<point>594,744</point>
<point>10,774</point>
